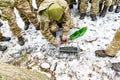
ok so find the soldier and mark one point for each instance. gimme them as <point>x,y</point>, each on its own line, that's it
<point>117,10</point>
<point>106,4</point>
<point>28,15</point>
<point>70,2</point>
<point>3,38</point>
<point>94,8</point>
<point>7,8</point>
<point>111,49</point>
<point>55,14</point>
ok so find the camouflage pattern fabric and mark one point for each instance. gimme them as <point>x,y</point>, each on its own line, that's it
<point>38,2</point>
<point>106,2</point>
<point>70,1</point>
<point>48,24</point>
<point>118,3</point>
<point>94,6</point>
<point>12,21</point>
<point>25,10</point>
<point>114,45</point>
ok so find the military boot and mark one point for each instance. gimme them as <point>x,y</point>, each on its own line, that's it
<point>5,38</point>
<point>3,48</point>
<point>116,66</point>
<point>82,16</point>
<point>111,8</point>
<point>93,17</point>
<point>101,53</point>
<point>117,10</point>
<point>1,24</point>
<point>100,7</point>
<point>21,41</point>
<point>26,25</point>
<point>104,11</point>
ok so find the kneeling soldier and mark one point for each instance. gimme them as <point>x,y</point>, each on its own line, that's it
<point>54,14</point>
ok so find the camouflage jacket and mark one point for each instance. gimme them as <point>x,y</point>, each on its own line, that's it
<point>66,20</point>
<point>10,3</point>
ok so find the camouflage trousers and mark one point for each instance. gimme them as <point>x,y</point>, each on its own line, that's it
<point>53,27</point>
<point>38,2</point>
<point>70,1</point>
<point>116,1</point>
<point>27,14</point>
<point>106,2</point>
<point>114,45</point>
<point>30,3</point>
<point>12,21</point>
<point>94,6</point>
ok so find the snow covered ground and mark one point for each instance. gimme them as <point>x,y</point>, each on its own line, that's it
<point>87,67</point>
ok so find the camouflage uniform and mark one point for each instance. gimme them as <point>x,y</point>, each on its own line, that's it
<point>94,6</point>
<point>114,46</point>
<point>26,12</point>
<point>30,3</point>
<point>48,25</point>
<point>117,10</point>
<point>113,2</point>
<point>70,1</point>
<point>118,2</point>
<point>112,50</point>
<point>7,7</point>
<point>106,2</point>
<point>38,2</point>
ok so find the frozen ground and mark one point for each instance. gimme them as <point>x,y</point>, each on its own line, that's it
<point>87,67</point>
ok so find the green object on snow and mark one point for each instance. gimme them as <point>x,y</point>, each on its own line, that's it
<point>78,33</point>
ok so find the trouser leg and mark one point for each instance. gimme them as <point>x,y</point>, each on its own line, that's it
<point>114,46</point>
